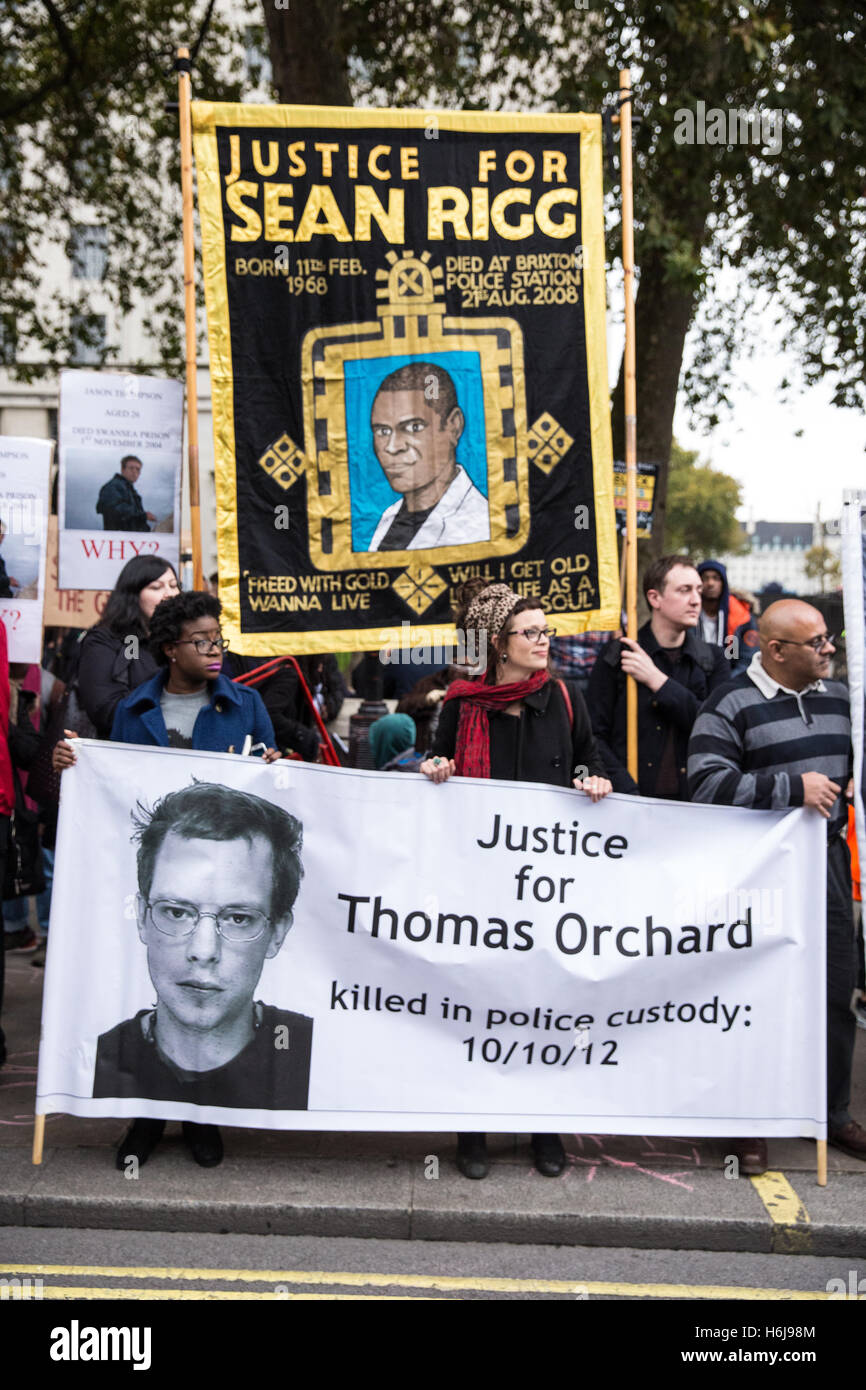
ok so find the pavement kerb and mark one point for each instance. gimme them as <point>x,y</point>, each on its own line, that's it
<point>378,1200</point>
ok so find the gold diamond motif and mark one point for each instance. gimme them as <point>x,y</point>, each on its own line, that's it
<point>284,462</point>
<point>547,442</point>
<point>419,586</point>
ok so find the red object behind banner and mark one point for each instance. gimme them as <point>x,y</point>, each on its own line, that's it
<point>269,668</point>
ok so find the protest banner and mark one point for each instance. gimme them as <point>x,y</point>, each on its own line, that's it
<point>406,316</point>
<point>25,466</point>
<point>474,956</point>
<point>854,591</point>
<point>68,607</point>
<point>647,474</point>
<point>120,457</point>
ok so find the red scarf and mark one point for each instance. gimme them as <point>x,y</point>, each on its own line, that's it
<point>472,754</point>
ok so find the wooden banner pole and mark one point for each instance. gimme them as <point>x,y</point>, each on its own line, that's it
<point>822,1162</point>
<point>625,164</point>
<point>38,1137</point>
<point>184,94</point>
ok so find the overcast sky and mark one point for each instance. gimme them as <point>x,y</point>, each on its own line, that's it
<point>784,477</point>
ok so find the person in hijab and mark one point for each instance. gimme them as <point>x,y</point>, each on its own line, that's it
<point>392,744</point>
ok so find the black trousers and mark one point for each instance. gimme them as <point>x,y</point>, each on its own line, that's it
<point>4,844</point>
<point>841,977</point>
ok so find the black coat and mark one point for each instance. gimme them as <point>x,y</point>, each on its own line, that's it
<point>106,675</point>
<point>120,506</point>
<point>538,746</point>
<point>291,716</point>
<point>674,706</point>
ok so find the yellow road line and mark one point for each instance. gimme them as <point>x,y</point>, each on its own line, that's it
<point>186,1295</point>
<point>446,1283</point>
<point>791,1221</point>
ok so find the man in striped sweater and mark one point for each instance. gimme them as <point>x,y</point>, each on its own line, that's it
<point>779,735</point>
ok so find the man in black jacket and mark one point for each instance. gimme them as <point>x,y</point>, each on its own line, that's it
<point>675,671</point>
<point>119,504</point>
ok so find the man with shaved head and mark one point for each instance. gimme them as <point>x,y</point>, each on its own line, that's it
<point>779,735</point>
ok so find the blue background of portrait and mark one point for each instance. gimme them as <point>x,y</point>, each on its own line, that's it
<point>369,488</point>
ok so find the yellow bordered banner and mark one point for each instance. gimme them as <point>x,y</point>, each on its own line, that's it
<point>406,314</point>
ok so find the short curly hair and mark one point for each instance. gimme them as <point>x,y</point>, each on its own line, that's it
<point>170,615</point>
<point>210,811</point>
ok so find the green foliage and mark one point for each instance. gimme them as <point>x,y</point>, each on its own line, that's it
<point>820,563</point>
<point>701,508</point>
<point>85,138</point>
<point>793,222</point>
<point>84,84</point>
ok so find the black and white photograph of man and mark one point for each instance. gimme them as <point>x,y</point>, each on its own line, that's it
<point>417,424</point>
<point>218,874</point>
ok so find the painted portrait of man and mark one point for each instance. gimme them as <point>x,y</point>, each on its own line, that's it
<point>417,423</point>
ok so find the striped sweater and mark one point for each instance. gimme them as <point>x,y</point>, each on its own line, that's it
<point>748,749</point>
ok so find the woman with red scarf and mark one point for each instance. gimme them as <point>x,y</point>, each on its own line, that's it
<point>518,723</point>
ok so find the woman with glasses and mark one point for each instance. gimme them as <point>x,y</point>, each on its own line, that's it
<point>189,703</point>
<point>516,722</point>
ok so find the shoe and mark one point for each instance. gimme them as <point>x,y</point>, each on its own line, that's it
<point>472,1157</point>
<point>204,1143</point>
<point>38,957</point>
<point>22,940</point>
<point>851,1139</point>
<point>548,1155</point>
<point>860,1013</point>
<point>752,1155</point>
<point>139,1142</point>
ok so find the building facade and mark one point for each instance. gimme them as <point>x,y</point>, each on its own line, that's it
<point>777,555</point>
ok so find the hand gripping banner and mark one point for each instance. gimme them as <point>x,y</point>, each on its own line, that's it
<point>406,314</point>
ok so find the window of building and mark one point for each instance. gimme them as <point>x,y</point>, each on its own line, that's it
<point>8,341</point>
<point>88,251</point>
<point>87,333</point>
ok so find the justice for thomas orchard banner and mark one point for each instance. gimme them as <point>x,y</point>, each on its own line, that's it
<point>406,315</point>
<point>297,947</point>
<point>120,456</point>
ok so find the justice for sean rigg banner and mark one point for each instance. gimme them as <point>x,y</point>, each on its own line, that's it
<point>406,314</point>
<point>270,946</point>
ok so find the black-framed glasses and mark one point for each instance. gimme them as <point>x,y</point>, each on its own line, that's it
<point>204,644</point>
<point>179,919</point>
<point>532,634</point>
<point>816,643</point>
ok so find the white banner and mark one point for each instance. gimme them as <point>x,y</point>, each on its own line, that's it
<point>121,439</point>
<point>25,467</point>
<point>854,593</point>
<point>475,956</point>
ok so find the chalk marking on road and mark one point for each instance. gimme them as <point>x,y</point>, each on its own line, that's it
<point>792,1234</point>
<point>452,1283</point>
